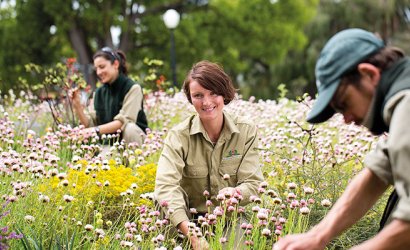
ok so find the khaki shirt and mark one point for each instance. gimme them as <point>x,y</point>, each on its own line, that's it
<point>190,164</point>
<point>128,114</point>
<point>390,160</point>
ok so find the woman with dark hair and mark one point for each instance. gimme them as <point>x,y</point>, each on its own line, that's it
<point>212,152</point>
<point>118,103</point>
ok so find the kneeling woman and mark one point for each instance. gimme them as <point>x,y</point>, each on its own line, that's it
<point>118,104</point>
<point>212,151</point>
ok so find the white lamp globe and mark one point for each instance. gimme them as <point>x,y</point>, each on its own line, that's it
<point>171,18</point>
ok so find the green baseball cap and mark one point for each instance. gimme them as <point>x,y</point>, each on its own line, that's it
<point>342,53</point>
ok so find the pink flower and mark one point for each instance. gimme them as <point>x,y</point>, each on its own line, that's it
<point>222,240</point>
<point>308,190</point>
<point>326,203</point>
<point>266,232</point>
<point>292,185</point>
<point>220,197</point>
<point>304,210</point>
<point>291,196</point>
<point>263,184</point>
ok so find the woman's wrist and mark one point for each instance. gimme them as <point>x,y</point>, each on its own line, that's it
<point>97,130</point>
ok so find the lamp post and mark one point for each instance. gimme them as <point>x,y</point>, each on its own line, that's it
<point>171,19</point>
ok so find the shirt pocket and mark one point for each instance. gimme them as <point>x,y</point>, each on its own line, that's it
<point>230,166</point>
<point>195,171</point>
<point>194,182</point>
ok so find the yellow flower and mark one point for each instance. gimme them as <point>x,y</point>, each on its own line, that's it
<point>119,177</point>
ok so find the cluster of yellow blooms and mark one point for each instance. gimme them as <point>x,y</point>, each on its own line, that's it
<point>99,184</point>
<point>146,178</point>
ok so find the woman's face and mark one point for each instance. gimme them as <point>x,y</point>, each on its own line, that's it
<point>208,104</point>
<point>106,71</point>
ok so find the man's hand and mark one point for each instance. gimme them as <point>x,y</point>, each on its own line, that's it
<point>306,241</point>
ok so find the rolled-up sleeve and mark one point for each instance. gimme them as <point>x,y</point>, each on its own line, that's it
<point>378,161</point>
<point>249,173</point>
<point>131,106</point>
<point>399,154</point>
<point>169,175</point>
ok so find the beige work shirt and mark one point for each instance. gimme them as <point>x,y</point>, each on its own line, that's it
<point>390,160</point>
<point>190,164</point>
<point>128,114</point>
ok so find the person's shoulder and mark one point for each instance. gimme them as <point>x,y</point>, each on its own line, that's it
<point>135,87</point>
<point>240,120</point>
<point>99,90</point>
<point>181,131</point>
<point>401,98</point>
<point>185,125</point>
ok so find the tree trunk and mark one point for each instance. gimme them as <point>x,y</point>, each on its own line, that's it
<point>78,41</point>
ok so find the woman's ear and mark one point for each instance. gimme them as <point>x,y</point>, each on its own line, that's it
<point>370,72</point>
<point>116,64</point>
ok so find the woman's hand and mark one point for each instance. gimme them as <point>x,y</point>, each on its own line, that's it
<point>199,243</point>
<point>230,191</point>
<point>87,132</point>
<point>75,97</point>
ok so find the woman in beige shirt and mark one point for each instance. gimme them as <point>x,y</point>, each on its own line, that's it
<point>211,152</point>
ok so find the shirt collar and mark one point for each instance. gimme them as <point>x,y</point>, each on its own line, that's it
<point>368,119</point>
<point>116,84</point>
<point>228,129</point>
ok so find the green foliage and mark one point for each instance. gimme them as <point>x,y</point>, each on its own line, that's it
<point>54,86</point>
<point>260,43</point>
<point>387,18</point>
<point>282,90</point>
<point>151,77</point>
<point>25,38</point>
<point>246,37</point>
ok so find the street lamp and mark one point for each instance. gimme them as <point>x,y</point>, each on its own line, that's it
<point>171,19</point>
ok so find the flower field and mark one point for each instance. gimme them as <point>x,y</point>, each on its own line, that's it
<point>58,192</point>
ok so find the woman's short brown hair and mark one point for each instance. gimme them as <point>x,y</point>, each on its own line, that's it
<point>210,76</point>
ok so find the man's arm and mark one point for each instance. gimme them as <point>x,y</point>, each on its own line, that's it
<point>395,236</point>
<point>359,196</point>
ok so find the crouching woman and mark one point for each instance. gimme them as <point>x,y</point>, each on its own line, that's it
<point>211,153</point>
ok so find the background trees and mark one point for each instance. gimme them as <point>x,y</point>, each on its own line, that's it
<point>261,43</point>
